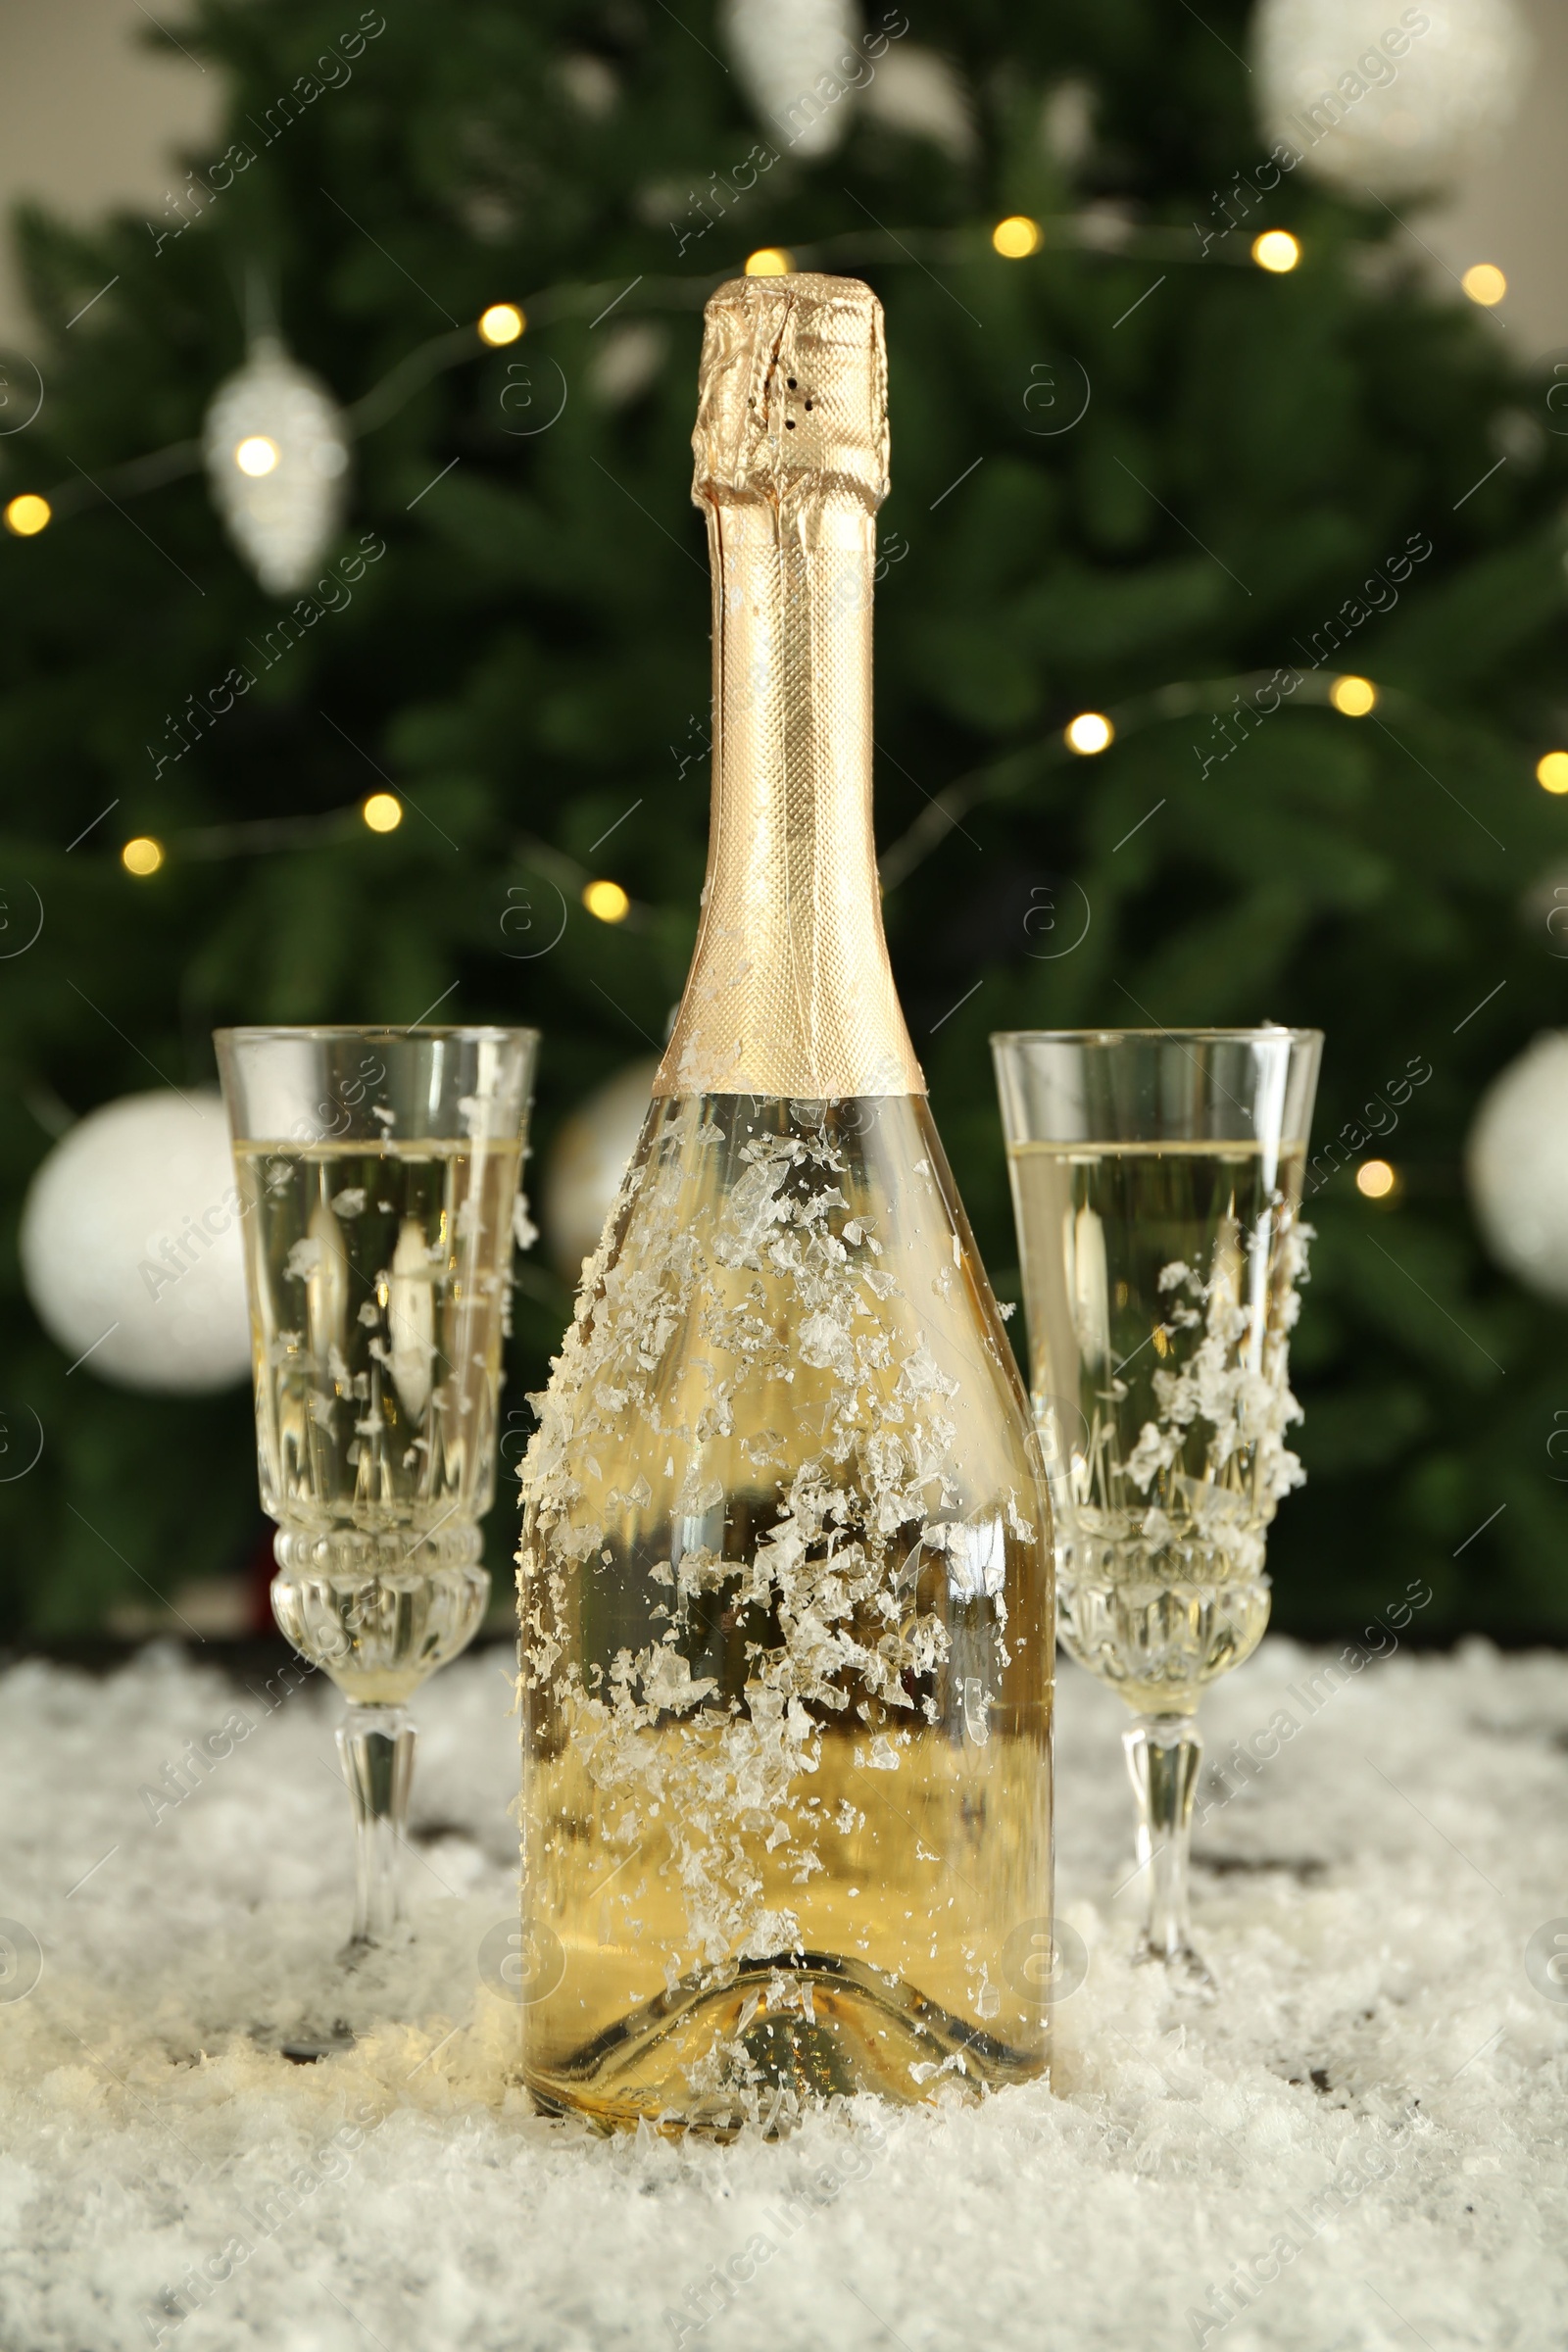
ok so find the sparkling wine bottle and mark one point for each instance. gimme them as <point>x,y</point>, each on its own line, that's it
<point>785,1577</point>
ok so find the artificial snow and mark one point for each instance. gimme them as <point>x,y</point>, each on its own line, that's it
<point>1360,2145</point>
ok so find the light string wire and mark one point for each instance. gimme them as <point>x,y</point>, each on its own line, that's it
<point>1104,233</point>
<point>1100,231</point>
<point>996,780</point>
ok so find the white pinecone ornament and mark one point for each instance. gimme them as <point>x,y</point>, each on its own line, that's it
<point>788,53</point>
<point>277,459</point>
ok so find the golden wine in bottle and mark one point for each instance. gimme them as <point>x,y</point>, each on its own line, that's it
<point>785,1577</point>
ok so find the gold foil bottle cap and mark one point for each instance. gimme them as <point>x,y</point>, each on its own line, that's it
<point>790,992</point>
<point>792,394</point>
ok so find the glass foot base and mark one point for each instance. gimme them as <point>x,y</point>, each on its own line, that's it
<point>305,2043</point>
<point>337,2001</point>
<point>375,1956</point>
<point>1186,1970</point>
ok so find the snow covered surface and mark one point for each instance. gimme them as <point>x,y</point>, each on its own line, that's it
<point>1373,2112</point>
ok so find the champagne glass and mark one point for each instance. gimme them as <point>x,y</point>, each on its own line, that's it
<point>378,1172</point>
<point>1157,1182</point>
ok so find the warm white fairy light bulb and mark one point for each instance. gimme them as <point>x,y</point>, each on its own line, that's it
<point>1090,732</point>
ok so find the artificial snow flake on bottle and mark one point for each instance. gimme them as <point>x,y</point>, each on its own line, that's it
<point>1375,98</point>
<point>789,53</point>
<point>278,461</point>
<point>785,1576</point>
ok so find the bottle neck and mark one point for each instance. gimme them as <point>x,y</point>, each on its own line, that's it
<point>790,991</point>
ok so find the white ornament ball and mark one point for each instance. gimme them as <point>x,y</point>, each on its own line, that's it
<point>278,459</point>
<point>130,1246</point>
<point>789,53</point>
<point>1363,118</point>
<point>588,1161</point>
<point>1517,1163</point>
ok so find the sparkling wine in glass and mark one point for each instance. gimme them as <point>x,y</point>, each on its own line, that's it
<point>378,1174</point>
<point>1157,1182</point>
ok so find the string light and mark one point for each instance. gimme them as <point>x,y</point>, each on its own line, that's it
<point>1484,283</point>
<point>1016,237</point>
<point>256,455</point>
<point>1091,731</point>
<point>144,856</point>
<point>1551,772</point>
<point>1276,249</point>
<point>502,322</point>
<point>1352,698</point>
<point>608,900</point>
<point>1375,1179</point>
<point>27,514</point>
<point>382,811</point>
<point>392,392</point>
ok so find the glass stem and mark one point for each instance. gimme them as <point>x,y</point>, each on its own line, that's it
<point>376,1745</point>
<point>1164,1754</point>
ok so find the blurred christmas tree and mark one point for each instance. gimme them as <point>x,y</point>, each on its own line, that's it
<point>1134,473</point>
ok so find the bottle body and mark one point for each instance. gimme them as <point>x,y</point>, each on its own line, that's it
<point>786,1572</point>
<point>788,1633</point>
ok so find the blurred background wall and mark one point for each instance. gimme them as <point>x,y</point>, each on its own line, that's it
<point>90,117</point>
